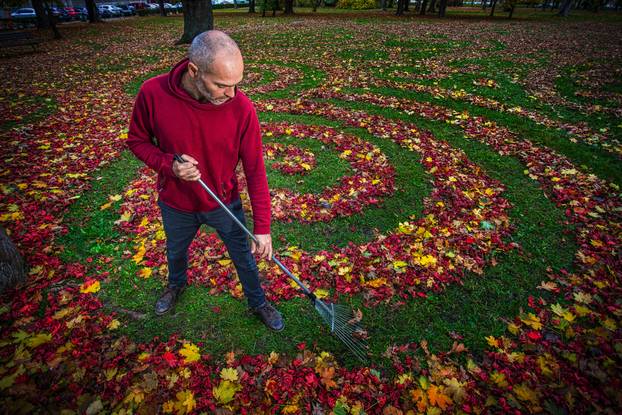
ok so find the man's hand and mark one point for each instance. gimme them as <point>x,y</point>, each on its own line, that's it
<point>188,170</point>
<point>264,248</point>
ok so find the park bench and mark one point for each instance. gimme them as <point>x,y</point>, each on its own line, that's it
<point>16,39</point>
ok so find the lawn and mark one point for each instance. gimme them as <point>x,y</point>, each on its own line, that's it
<point>456,181</point>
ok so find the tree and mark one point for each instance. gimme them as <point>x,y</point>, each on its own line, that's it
<point>564,10</point>
<point>492,10</point>
<point>424,4</point>
<point>92,11</point>
<point>432,8</point>
<point>400,7</point>
<point>12,266</point>
<point>162,9</point>
<point>442,7</point>
<point>251,6</point>
<point>289,7</point>
<point>198,18</point>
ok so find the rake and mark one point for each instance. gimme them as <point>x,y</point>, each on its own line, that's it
<point>343,323</point>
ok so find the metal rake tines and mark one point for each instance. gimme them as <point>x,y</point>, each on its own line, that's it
<point>344,324</point>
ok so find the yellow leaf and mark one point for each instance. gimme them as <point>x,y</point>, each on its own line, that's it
<point>225,391</point>
<point>524,393</point>
<point>533,321</point>
<point>455,388</point>
<point>321,293</point>
<point>114,324</point>
<point>138,256</point>
<point>499,379</point>
<point>229,374</point>
<point>7,381</point>
<point>90,287</point>
<point>401,379</point>
<point>145,272</point>
<point>190,352</point>
<point>224,262</point>
<point>185,402</point>
<point>513,328</point>
<point>125,217</point>
<point>114,198</point>
<point>105,206</point>
<point>492,341</point>
<point>582,297</point>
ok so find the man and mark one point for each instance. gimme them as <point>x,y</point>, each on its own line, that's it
<point>196,111</point>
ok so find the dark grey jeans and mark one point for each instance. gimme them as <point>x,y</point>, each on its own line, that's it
<point>181,228</point>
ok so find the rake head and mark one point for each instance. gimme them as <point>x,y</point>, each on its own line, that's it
<point>344,324</point>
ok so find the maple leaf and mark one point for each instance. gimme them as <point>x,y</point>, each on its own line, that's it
<point>229,374</point>
<point>38,340</point>
<point>89,287</point>
<point>190,352</point>
<point>437,398</point>
<point>524,393</point>
<point>185,402</point>
<point>225,391</point>
<point>327,374</point>
<point>145,272</point>
<point>455,388</point>
<point>532,321</point>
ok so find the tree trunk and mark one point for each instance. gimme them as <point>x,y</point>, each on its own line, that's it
<point>316,4</point>
<point>492,11</point>
<point>390,4</point>
<point>52,20</point>
<point>424,4</point>
<point>442,7</point>
<point>43,22</point>
<point>251,6</point>
<point>92,11</point>
<point>484,4</point>
<point>289,7</point>
<point>162,9</point>
<point>406,3</point>
<point>400,8</point>
<point>432,7</point>
<point>564,10</point>
<point>383,5</point>
<point>198,18</point>
<point>511,12</point>
<point>12,266</point>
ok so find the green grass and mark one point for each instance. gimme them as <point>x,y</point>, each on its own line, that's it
<point>327,172</point>
<point>45,107</point>
<point>474,310</point>
<point>589,157</point>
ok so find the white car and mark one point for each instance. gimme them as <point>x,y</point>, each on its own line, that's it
<point>25,13</point>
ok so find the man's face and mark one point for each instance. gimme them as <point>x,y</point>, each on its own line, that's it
<point>217,85</point>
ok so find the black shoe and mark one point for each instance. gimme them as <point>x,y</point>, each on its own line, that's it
<point>168,299</point>
<point>270,317</point>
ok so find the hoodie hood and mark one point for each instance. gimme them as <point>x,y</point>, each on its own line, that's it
<point>175,87</point>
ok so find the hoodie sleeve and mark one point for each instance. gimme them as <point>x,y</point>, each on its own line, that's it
<point>139,137</point>
<point>251,154</point>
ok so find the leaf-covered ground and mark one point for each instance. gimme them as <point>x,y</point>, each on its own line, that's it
<point>457,181</point>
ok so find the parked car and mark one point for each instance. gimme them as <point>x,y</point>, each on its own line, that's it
<point>108,10</point>
<point>24,14</point>
<point>72,13</point>
<point>139,5</point>
<point>126,10</point>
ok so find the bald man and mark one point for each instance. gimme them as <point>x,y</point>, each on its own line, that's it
<point>196,111</point>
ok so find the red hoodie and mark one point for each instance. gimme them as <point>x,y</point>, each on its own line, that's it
<point>166,120</point>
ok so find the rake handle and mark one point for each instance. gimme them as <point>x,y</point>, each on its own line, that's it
<point>308,292</point>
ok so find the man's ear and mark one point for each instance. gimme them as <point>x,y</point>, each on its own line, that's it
<point>193,70</point>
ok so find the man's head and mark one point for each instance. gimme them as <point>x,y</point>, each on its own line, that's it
<point>215,66</point>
